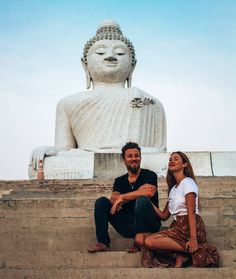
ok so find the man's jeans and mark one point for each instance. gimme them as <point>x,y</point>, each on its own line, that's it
<point>128,224</point>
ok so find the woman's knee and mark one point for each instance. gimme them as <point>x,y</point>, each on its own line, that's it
<point>139,238</point>
<point>148,242</point>
<point>151,242</point>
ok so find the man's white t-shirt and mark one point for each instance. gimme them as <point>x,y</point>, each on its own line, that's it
<point>177,202</point>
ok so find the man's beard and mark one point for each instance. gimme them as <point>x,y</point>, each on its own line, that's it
<point>133,170</point>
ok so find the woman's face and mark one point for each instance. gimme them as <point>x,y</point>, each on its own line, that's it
<point>176,163</point>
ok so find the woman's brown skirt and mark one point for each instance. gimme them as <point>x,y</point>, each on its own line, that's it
<point>206,255</point>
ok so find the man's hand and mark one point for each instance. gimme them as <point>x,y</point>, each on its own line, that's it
<point>117,205</point>
<point>114,196</point>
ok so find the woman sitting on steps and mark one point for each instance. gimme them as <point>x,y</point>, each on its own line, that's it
<point>185,241</point>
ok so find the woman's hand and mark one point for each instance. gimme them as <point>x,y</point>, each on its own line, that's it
<point>192,245</point>
<point>163,215</point>
<point>117,205</point>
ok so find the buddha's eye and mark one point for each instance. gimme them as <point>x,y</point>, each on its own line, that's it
<point>100,51</point>
<point>120,51</point>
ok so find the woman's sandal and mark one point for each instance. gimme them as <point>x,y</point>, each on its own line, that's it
<point>133,249</point>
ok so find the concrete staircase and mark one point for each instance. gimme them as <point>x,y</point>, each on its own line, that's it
<point>46,228</point>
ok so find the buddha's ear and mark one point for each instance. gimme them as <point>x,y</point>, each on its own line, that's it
<point>88,77</point>
<point>129,79</point>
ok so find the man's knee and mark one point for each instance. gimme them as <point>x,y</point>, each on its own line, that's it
<point>141,203</point>
<point>102,202</point>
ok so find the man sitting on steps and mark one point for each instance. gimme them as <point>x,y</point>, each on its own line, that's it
<point>129,209</point>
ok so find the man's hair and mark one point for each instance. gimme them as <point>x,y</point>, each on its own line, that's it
<point>129,145</point>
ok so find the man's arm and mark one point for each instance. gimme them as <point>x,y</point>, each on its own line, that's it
<point>114,196</point>
<point>147,190</point>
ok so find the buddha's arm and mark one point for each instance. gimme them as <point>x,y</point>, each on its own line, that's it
<point>161,127</point>
<point>63,134</point>
<point>64,139</point>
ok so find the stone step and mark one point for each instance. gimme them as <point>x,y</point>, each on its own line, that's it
<point>120,273</point>
<point>65,260</point>
<point>209,186</point>
<point>86,194</point>
<point>82,207</point>
<point>79,239</point>
<point>85,217</point>
<point>79,199</point>
<point>67,224</point>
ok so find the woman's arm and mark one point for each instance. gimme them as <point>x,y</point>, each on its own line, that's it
<point>165,214</point>
<point>192,244</point>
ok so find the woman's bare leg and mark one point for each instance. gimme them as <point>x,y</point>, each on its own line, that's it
<point>159,242</point>
<point>139,238</point>
<point>180,259</point>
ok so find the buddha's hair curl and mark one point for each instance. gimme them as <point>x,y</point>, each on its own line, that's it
<point>109,32</point>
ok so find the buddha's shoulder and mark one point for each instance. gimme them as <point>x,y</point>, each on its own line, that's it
<point>139,93</point>
<point>74,98</point>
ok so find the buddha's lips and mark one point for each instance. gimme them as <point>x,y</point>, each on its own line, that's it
<point>110,63</point>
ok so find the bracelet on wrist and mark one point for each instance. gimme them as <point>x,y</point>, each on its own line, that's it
<point>193,238</point>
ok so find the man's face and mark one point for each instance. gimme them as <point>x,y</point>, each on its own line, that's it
<point>109,61</point>
<point>132,160</point>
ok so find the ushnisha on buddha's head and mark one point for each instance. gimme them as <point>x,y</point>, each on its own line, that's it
<point>108,57</point>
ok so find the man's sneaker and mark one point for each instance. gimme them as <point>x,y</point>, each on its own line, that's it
<point>98,247</point>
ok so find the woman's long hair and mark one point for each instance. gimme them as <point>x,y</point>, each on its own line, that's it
<point>188,170</point>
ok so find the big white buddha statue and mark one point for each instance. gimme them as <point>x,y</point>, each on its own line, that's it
<point>112,112</point>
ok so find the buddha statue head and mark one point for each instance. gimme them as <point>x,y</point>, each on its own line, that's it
<point>108,57</point>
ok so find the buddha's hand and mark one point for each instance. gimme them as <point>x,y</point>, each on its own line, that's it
<point>40,152</point>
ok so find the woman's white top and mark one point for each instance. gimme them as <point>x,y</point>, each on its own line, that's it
<point>177,202</point>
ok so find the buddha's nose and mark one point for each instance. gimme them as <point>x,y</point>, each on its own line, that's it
<point>110,58</point>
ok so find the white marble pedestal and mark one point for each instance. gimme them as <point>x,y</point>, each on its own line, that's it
<point>77,164</point>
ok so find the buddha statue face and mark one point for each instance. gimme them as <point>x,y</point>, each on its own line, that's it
<point>108,57</point>
<point>109,61</point>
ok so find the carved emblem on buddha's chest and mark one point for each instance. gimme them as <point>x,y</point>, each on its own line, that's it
<point>138,102</point>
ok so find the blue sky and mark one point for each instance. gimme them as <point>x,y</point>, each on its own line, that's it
<point>186,52</point>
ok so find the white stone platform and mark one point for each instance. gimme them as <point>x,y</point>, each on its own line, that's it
<point>77,164</point>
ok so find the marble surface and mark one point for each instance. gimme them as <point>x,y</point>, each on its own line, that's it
<point>112,112</point>
<point>89,165</point>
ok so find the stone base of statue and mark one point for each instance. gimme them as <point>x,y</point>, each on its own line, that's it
<point>78,164</point>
